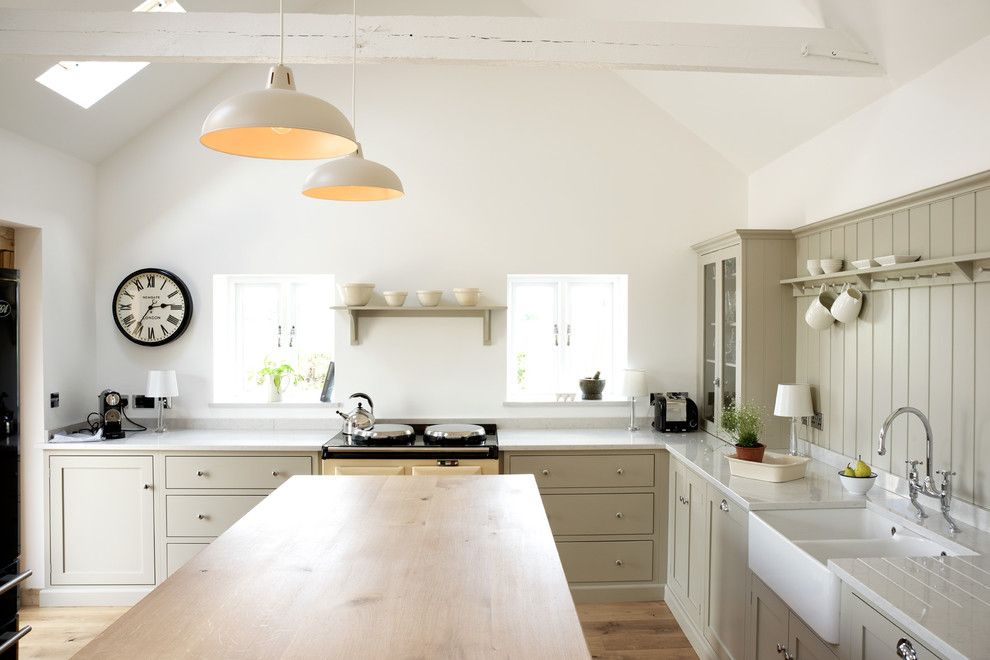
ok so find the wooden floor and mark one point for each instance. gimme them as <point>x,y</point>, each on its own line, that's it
<point>614,630</point>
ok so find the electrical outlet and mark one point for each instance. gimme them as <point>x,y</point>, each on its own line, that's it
<point>142,401</point>
<point>54,400</point>
<point>817,421</point>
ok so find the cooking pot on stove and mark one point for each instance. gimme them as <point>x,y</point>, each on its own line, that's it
<point>359,418</point>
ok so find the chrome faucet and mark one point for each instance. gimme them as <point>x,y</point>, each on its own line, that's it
<point>915,486</point>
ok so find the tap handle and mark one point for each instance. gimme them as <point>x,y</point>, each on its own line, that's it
<point>912,465</point>
<point>946,473</point>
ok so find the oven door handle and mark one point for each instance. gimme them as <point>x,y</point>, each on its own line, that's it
<point>13,638</point>
<point>14,581</point>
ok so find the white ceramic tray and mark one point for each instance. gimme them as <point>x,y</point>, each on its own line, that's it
<point>775,468</point>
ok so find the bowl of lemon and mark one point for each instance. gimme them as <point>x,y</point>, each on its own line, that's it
<point>858,478</point>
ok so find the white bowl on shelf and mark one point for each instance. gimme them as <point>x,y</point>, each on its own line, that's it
<point>395,298</point>
<point>891,259</point>
<point>814,267</point>
<point>429,297</point>
<point>858,485</point>
<point>467,297</point>
<point>864,263</point>
<point>832,265</point>
<point>356,294</point>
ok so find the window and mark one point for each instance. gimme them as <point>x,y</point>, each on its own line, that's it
<point>563,328</point>
<point>261,322</point>
<point>85,83</point>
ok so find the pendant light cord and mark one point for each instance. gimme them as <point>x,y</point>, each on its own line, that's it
<point>353,67</point>
<point>281,34</point>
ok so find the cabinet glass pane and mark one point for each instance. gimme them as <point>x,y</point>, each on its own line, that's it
<point>708,398</point>
<point>729,335</point>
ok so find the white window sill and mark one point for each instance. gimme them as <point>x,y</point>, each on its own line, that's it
<point>576,402</point>
<point>282,404</point>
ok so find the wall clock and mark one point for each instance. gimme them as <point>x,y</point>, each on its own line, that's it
<point>152,307</point>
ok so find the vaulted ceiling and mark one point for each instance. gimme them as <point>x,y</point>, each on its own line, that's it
<point>750,119</point>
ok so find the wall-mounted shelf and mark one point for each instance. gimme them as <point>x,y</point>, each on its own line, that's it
<point>484,312</point>
<point>944,270</point>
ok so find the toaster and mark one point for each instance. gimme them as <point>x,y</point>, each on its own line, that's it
<point>673,412</point>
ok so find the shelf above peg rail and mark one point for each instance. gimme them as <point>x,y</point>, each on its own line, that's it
<point>484,312</point>
<point>958,269</point>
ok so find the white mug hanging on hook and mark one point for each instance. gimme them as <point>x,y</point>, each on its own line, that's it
<point>819,314</point>
<point>847,306</point>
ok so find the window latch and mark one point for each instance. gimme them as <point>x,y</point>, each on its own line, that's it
<point>292,335</point>
<point>556,335</point>
<point>279,341</point>
<point>568,334</point>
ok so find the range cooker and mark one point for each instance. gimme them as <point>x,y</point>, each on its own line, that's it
<point>414,449</point>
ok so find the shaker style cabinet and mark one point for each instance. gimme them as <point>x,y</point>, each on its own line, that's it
<point>867,634</point>
<point>728,577</point>
<point>776,632</point>
<point>687,553</point>
<point>102,512</point>
<point>746,324</point>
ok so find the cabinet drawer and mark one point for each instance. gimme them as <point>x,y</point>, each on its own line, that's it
<point>205,515</point>
<point>177,554</point>
<point>607,471</point>
<point>630,513</point>
<point>607,561</point>
<point>233,471</point>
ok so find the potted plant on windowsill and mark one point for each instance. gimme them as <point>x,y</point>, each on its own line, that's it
<point>745,424</point>
<point>278,376</point>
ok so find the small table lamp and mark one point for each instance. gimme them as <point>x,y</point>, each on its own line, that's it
<point>794,401</point>
<point>634,385</point>
<point>161,385</point>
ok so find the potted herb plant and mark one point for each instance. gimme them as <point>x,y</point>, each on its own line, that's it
<point>278,376</point>
<point>745,424</point>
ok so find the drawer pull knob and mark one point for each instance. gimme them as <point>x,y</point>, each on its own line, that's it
<point>620,471</point>
<point>546,472</point>
<point>201,516</point>
<point>274,473</point>
<point>147,486</point>
<point>686,501</point>
<point>618,562</point>
<point>724,506</point>
<point>618,515</point>
<point>200,473</point>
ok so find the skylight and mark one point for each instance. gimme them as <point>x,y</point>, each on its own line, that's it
<point>85,83</point>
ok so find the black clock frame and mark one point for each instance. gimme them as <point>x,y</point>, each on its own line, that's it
<point>187,319</point>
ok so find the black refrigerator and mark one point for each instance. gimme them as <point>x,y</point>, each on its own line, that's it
<point>11,573</point>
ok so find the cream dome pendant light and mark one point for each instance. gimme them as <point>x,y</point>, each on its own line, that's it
<point>278,122</point>
<point>352,178</point>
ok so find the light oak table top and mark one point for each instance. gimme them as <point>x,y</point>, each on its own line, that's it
<point>367,567</point>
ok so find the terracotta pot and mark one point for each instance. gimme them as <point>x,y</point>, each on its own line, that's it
<point>754,454</point>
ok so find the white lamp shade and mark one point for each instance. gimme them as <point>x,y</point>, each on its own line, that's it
<point>793,400</point>
<point>279,123</point>
<point>634,383</point>
<point>162,384</point>
<point>353,179</point>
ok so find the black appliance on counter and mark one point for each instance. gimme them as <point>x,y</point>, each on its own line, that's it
<point>10,572</point>
<point>673,412</point>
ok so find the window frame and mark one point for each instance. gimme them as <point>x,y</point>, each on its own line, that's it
<point>227,344</point>
<point>562,284</point>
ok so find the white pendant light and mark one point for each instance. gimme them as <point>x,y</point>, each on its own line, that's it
<point>278,122</point>
<point>353,178</point>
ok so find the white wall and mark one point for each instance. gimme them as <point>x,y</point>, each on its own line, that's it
<point>49,198</point>
<point>507,170</point>
<point>931,130</point>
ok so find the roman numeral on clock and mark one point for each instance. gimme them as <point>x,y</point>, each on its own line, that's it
<point>151,333</point>
<point>174,293</point>
<point>127,320</point>
<point>171,319</point>
<point>124,307</point>
<point>165,332</point>
<point>137,283</point>
<point>151,279</point>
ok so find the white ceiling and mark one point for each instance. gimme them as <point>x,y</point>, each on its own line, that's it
<point>750,119</point>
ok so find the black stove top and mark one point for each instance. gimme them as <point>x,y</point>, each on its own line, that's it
<point>418,446</point>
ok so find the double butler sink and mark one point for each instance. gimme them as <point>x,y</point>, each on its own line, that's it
<point>789,551</point>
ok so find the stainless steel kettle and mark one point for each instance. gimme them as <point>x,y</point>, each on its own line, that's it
<point>359,417</point>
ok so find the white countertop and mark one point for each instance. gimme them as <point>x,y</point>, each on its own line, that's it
<point>944,602</point>
<point>204,440</point>
<point>571,439</point>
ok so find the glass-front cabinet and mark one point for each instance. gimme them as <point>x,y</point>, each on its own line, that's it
<point>719,368</point>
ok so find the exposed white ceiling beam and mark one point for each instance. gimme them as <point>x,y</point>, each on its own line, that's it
<point>321,38</point>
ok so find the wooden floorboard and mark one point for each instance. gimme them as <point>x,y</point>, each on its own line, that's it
<point>615,631</point>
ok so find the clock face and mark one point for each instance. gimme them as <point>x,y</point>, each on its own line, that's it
<point>152,307</point>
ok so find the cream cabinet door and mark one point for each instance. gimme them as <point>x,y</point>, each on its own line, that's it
<point>679,530</point>
<point>768,622</point>
<point>804,644</point>
<point>728,588</point>
<point>690,540</point>
<point>866,634</point>
<point>102,520</point>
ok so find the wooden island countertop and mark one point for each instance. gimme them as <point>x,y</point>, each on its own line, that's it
<point>367,567</point>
